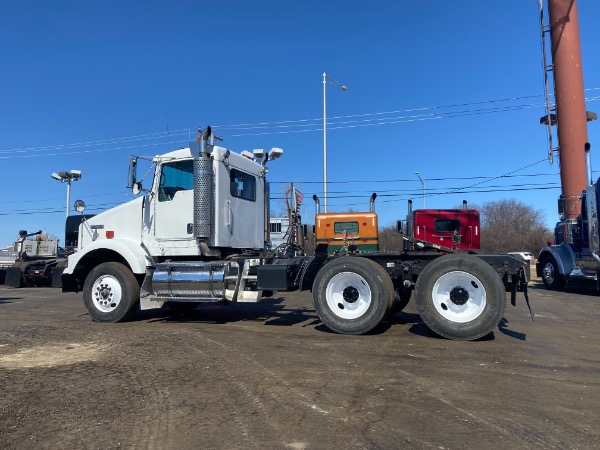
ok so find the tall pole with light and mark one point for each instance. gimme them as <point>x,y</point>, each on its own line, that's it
<point>67,177</point>
<point>327,80</point>
<point>423,186</point>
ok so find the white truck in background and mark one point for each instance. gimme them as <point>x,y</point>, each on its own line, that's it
<point>34,260</point>
<point>7,258</point>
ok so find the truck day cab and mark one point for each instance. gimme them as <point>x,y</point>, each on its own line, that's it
<point>200,233</point>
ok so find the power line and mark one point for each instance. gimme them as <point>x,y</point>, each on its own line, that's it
<point>411,194</point>
<point>411,180</point>
<point>391,197</point>
<point>297,122</point>
<point>58,199</point>
<point>482,177</point>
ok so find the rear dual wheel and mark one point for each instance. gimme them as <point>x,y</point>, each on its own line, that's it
<point>352,295</point>
<point>460,297</point>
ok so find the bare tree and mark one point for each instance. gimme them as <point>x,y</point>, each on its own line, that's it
<point>508,225</point>
<point>390,240</point>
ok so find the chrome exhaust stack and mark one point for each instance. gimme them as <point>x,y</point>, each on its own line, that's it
<point>372,202</point>
<point>317,206</point>
<point>203,190</point>
<point>588,164</point>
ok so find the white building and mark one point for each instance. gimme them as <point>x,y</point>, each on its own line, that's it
<point>278,228</point>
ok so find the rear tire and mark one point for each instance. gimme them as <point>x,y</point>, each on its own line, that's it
<point>460,297</point>
<point>553,280</point>
<point>352,295</point>
<point>111,292</point>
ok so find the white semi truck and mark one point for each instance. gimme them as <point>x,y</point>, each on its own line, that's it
<point>200,234</point>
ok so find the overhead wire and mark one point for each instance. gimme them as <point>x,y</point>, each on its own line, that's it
<point>275,125</point>
<point>300,122</point>
<point>391,198</point>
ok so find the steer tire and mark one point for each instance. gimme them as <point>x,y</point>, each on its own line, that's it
<point>352,295</point>
<point>460,297</point>
<point>552,278</point>
<point>111,293</point>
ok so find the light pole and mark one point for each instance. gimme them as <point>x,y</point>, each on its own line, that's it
<point>327,79</point>
<point>67,177</point>
<point>423,186</point>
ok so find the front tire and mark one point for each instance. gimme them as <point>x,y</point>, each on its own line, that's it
<point>460,297</point>
<point>352,295</point>
<point>111,293</point>
<point>552,278</point>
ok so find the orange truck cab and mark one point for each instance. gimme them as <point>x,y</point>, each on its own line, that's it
<point>340,230</point>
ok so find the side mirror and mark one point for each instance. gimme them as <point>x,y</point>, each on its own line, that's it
<point>79,206</point>
<point>132,175</point>
<point>561,205</point>
<point>400,226</point>
<point>136,188</point>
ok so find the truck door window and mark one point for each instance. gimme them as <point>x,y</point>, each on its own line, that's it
<point>243,185</point>
<point>175,176</point>
<point>350,227</point>
<point>449,225</point>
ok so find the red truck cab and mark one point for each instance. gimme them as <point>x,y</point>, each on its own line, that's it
<point>441,226</point>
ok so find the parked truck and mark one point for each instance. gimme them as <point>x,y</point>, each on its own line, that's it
<point>199,234</point>
<point>454,228</point>
<point>7,258</point>
<point>342,231</point>
<point>575,254</point>
<point>36,257</point>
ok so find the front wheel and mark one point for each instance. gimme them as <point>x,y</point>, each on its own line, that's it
<point>460,297</point>
<point>352,295</point>
<point>111,292</point>
<point>552,278</point>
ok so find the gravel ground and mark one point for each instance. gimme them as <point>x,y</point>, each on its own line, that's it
<point>270,375</point>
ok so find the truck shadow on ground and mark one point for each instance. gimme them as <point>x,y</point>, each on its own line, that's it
<point>577,287</point>
<point>9,299</point>
<point>271,312</point>
<point>419,328</point>
<point>274,313</point>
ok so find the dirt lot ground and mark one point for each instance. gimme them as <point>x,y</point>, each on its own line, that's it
<point>272,376</point>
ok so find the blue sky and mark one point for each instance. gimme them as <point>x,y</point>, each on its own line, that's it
<point>85,84</point>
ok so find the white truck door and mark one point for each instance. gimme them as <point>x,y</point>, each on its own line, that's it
<point>239,211</point>
<point>173,205</point>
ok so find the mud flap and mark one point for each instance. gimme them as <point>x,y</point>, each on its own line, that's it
<point>14,277</point>
<point>521,280</point>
